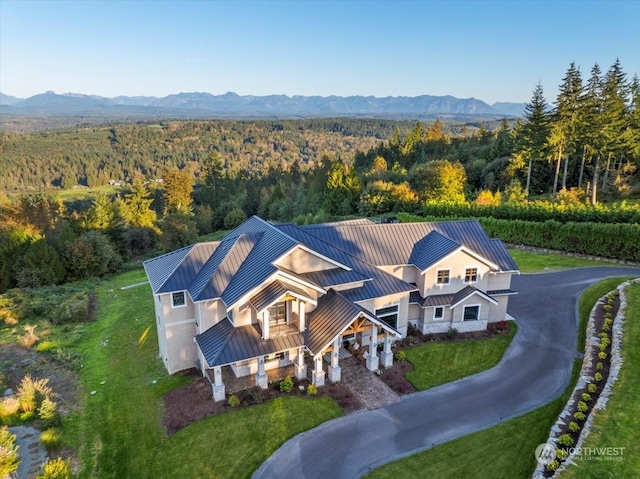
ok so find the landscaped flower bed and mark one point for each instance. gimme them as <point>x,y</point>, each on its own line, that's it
<point>600,367</point>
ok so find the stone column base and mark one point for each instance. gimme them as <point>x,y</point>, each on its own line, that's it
<point>372,362</point>
<point>318,378</point>
<point>387,359</point>
<point>262,381</point>
<point>219,392</point>
<point>300,371</point>
<point>334,374</point>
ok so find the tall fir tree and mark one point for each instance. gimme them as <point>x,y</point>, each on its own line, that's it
<point>535,131</point>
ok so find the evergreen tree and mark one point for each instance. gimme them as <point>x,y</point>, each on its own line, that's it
<point>535,131</point>
<point>177,187</point>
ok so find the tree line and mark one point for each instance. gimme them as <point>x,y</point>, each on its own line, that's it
<point>419,168</point>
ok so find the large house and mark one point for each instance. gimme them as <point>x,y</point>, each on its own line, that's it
<point>266,295</point>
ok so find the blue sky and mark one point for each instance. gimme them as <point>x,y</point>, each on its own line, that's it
<point>494,51</point>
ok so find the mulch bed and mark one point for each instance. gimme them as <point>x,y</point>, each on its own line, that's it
<point>194,401</point>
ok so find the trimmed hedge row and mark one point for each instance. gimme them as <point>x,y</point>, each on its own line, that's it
<point>617,241</point>
<point>541,211</point>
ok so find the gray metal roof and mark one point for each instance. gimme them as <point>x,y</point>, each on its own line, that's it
<point>381,284</point>
<point>501,292</point>
<point>431,249</point>
<point>469,291</point>
<point>332,316</point>
<point>449,299</point>
<point>176,270</point>
<point>327,278</point>
<point>272,293</point>
<point>225,344</point>
<point>396,243</point>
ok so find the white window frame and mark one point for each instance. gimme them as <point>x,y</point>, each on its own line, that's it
<point>464,308</point>
<point>397,314</point>
<point>477,274</point>
<point>436,318</point>
<point>184,295</point>
<point>448,270</point>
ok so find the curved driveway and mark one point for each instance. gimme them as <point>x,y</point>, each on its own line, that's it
<point>534,370</point>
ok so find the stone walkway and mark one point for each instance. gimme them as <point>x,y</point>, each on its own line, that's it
<point>32,453</point>
<point>372,392</point>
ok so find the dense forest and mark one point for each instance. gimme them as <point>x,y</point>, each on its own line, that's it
<point>188,178</point>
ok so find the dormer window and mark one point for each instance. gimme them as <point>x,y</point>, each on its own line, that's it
<point>178,300</point>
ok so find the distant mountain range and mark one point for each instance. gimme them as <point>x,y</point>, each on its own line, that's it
<point>232,105</point>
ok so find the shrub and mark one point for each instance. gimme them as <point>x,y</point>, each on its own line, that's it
<point>582,406</point>
<point>286,385</point>
<point>598,377</point>
<point>233,401</point>
<point>580,416</point>
<point>9,457</point>
<point>602,355</point>
<point>74,309</point>
<point>586,397</point>
<point>31,393</point>
<point>592,388</point>
<point>599,366</point>
<point>9,409</point>
<point>561,454</point>
<point>606,327</point>
<point>48,412</point>
<point>312,390</point>
<point>29,338</point>
<point>565,440</point>
<point>607,308</point>
<point>604,344</point>
<point>55,469</point>
<point>50,439</point>
<point>603,335</point>
<point>553,465</point>
<point>401,356</point>
<point>452,333</point>
<point>574,427</point>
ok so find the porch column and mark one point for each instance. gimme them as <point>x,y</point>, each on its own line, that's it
<point>261,375</point>
<point>300,366</point>
<point>387,354</point>
<point>318,373</point>
<point>334,369</point>
<point>265,324</point>
<point>301,316</point>
<point>372,356</point>
<point>218,386</point>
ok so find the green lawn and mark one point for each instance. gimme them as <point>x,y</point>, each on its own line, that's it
<point>118,434</point>
<point>234,444</point>
<point>440,363</point>
<point>619,424</point>
<point>536,263</point>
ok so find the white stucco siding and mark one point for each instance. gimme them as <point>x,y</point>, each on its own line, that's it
<point>301,261</point>
<point>456,264</point>
<point>181,350</point>
<point>499,281</point>
<point>401,300</point>
<point>407,273</point>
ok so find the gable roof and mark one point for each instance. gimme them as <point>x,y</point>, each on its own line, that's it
<point>380,283</point>
<point>273,292</point>
<point>333,315</point>
<point>451,300</point>
<point>176,270</point>
<point>406,243</point>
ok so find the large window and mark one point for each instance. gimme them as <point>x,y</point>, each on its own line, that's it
<point>438,312</point>
<point>389,315</point>
<point>278,315</point>
<point>471,275</point>
<point>443,276</point>
<point>471,313</point>
<point>178,299</point>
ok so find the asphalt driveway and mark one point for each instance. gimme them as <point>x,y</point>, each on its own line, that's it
<point>534,370</point>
